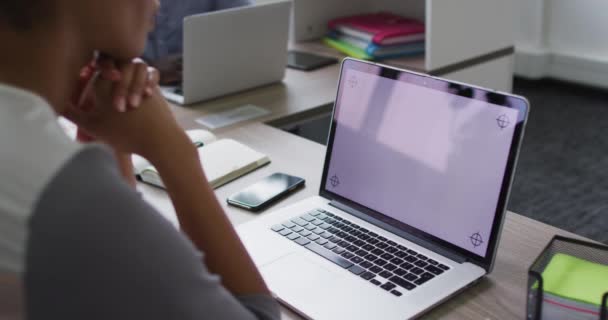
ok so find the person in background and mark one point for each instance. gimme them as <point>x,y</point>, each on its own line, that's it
<point>165,42</point>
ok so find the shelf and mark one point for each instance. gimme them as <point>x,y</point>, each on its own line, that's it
<point>414,63</point>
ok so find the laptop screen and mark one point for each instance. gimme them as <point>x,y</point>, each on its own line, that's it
<point>426,153</point>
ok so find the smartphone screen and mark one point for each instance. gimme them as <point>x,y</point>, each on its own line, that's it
<point>307,61</point>
<point>266,191</point>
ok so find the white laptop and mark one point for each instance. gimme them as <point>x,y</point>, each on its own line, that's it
<point>412,199</point>
<point>232,50</point>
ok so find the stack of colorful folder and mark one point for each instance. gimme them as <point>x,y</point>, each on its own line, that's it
<point>376,36</point>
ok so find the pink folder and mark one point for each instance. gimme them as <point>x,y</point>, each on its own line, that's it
<point>381,28</point>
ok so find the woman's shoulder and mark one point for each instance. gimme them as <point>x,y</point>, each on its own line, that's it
<point>33,148</point>
<point>33,144</point>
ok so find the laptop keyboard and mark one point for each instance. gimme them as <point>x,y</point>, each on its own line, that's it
<point>365,254</point>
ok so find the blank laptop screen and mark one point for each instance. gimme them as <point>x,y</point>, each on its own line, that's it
<point>428,153</point>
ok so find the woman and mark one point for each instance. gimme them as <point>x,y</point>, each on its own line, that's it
<point>76,241</point>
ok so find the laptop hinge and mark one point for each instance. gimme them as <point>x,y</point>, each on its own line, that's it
<point>408,236</point>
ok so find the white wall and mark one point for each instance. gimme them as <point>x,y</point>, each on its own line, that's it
<point>579,27</point>
<point>566,39</point>
<point>529,27</point>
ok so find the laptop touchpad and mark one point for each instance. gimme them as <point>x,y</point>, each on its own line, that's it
<point>295,277</point>
<point>296,271</point>
<point>314,287</point>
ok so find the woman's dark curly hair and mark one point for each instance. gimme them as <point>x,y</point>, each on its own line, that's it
<point>21,14</point>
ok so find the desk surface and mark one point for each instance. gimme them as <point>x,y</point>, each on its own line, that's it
<point>300,95</point>
<point>501,295</point>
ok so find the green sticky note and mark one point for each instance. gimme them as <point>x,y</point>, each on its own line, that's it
<point>576,279</point>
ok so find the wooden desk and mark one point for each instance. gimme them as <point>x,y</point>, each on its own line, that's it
<point>299,96</point>
<point>501,295</point>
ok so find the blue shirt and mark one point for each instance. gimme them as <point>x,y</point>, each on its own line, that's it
<point>166,39</point>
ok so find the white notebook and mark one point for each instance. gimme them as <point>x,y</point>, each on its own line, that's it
<point>223,160</point>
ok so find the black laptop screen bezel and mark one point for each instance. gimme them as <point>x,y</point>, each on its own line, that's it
<point>460,89</point>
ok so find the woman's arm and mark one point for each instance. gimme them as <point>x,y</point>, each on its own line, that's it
<point>103,253</point>
<point>202,218</point>
<point>125,165</point>
<point>151,131</point>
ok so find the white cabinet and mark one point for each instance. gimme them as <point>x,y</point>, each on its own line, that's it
<point>466,40</point>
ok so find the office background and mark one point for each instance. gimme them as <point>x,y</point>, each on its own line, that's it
<point>562,172</point>
<point>561,179</point>
<point>562,39</point>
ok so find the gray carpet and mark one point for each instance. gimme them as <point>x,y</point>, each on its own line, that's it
<point>562,178</point>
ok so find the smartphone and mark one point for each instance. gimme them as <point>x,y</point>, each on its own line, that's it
<point>261,194</point>
<point>308,61</point>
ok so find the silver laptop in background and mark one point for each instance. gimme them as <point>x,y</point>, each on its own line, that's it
<point>413,196</point>
<point>232,50</point>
